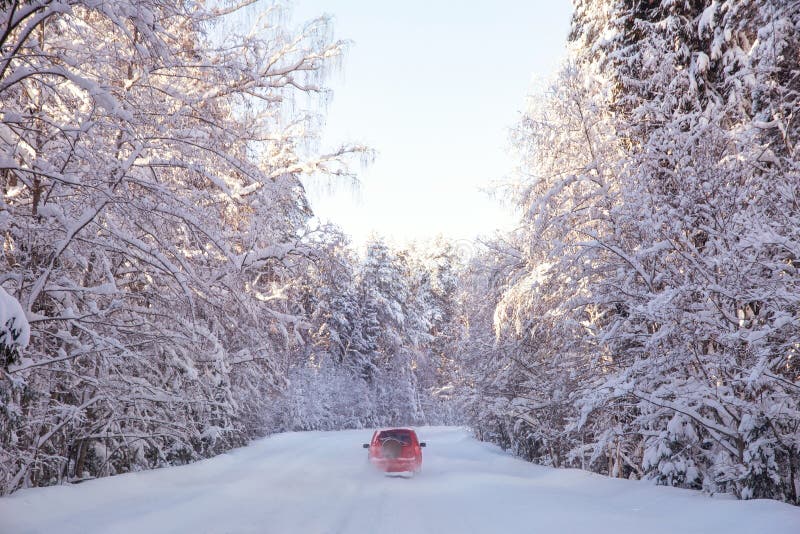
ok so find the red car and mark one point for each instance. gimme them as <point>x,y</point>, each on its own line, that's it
<point>396,450</point>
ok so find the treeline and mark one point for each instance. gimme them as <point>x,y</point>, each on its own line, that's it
<point>379,352</point>
<point>644,320</point>
<point>157,235</point>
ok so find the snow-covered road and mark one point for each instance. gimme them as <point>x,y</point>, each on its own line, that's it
<point>320,482</point>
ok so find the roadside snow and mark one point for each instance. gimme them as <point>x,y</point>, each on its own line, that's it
<point>320,482</point>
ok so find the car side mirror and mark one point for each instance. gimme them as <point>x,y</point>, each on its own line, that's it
<point>421,443</point>
<point>366,445</point>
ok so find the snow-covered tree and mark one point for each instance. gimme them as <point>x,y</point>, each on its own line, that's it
<point>651,291</point>
<point>154,223</point>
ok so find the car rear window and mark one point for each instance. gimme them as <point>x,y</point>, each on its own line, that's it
<point>395,435</point>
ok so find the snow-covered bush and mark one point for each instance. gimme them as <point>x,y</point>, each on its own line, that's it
<point>15,332</point>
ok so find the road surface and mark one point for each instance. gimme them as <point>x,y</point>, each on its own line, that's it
<point>321,483</point>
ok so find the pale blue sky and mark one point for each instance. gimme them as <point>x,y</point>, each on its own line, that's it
<point>433,87</point>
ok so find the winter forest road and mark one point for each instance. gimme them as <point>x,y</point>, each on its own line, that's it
<point>320,483</point>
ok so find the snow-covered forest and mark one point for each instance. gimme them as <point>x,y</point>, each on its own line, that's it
<point>166,295</point>
<point>156,234</point>
<point>644,319</point>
